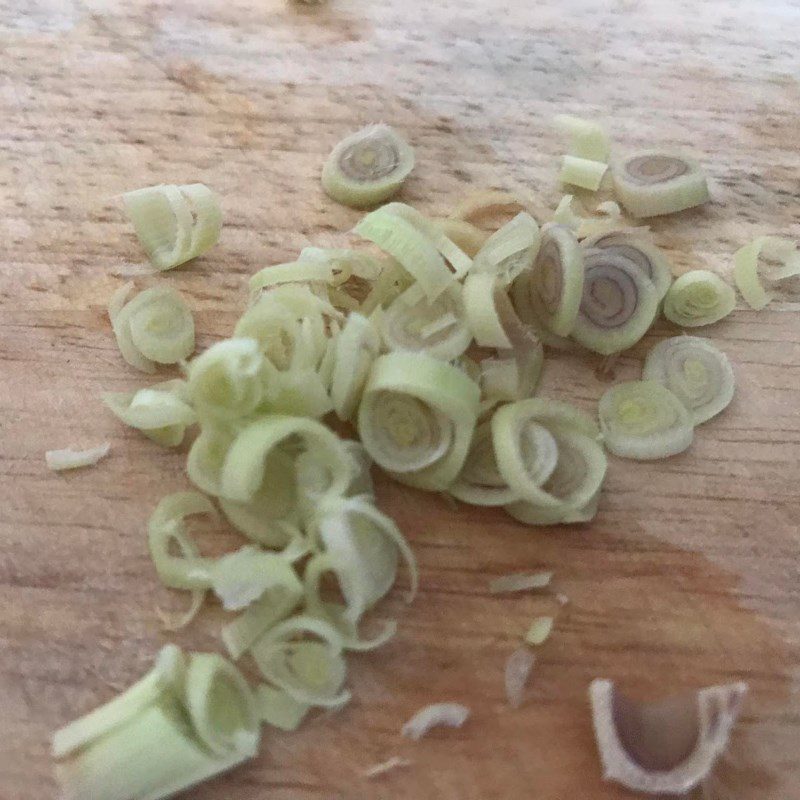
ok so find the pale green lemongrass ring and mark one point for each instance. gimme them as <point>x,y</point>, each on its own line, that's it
<point>582,172</point>
<point>698,297</point>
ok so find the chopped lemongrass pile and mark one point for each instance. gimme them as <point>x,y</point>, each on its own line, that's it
<point>428,340</point>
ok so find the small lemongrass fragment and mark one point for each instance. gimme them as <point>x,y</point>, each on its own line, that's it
<point>206,457</point>
<point>561,514</point>
<point>582,172</point>
<point>451,715</point>
<point>565,214</point>
<point>667,747</point>
<point>556,280</point>
<point>174,223</point>
<point>481,313</point>
<point>610,208</point>
<point>345,263</point>
<point>411,247</point>
<point>539,630</point>
<point>416,418</point>
<point>391,283</point>
<point>746,263</point>
<point>510,250</point>
<point>588,139</point>
<point>463,234</point>
<point>414,323</point>
<point>695,371</point>
<point>488,203</point>
<point>618,305</point>
<point>644,420</point>
<point>118,299</point>
<point>293,272</point>
<point>518,670</point>
<point>632,246</point>
<point>58,460</point>
<point>357,346</point>
<point>480,483</point>
<point>698,297</point>
<point>520,582</point>
<point>367,167</point>
<point>377,770</point>
<point>278,708</point>
<point>650,183</point>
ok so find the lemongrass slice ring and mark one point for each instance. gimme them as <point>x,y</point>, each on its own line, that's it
<point>644,420</point>
<point>695,371</point>
<point>481,312</point>
<point>699,297</point>
<point>618,305</point>
<point>174,223</point>
<point>745,270</point>
<point>357,346</point>
<point>464,235</point>
<point>650,260</point>
<point>417,417</point>
<point>651,183</point>
<point>582,172</point>
<point>480,482</point>
<point>367,167</point>
<point>413,323</point>
<point>511,250</point>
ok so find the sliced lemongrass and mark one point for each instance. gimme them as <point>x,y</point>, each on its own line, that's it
<point>650,183</point>
<point>556,280</point>
<point>488,203</point>
<point>274,605</point>
<point>413,323</point>
<point>520,582</point>
<point>520,296</point>
<point>189,570</point>
<point>336,614</point>
<point>582,172</point>
<point>588,139</point>
<point>226,381</point>
<point>117,300</point>
<point>480,482</point>
<point>176,621</point>
<point>644,420</point>
<point>410,247</point>
<point>357,346</point>
<point>345,263</point>
<point>174,223</point>
<point>160,412</point>
<point>451,715</point>
<point>367,167</point>
<point>698,297</point>
<point>241,577</point>
<point>301,391</point>
<point>159,324</point>
<point>391,283</point>
<point>547,452</point>
<point>463,234</point>
<point>561,514</point>
<point>565,214</point>
<point>58,460</point>
<point>207,456</point>
<point>666,747</point>
<point>278,708</point>
<point>511,250</point>
<point>746,263</point>
<point>695,371</point>
<point>245,469</point>
<point>518,669</point>
<point>293,272</point>
<point>610,208</point>
<point>618,305</point>
<point>416,418</point>
<point>310,671</point>
<point>480,311</point>
<point>646,256</point>
<point>539,631</point>
<point>377,770</point>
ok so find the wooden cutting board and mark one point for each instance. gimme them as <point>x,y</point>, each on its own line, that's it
<point>688,576</point>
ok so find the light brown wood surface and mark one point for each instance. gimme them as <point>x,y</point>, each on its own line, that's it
<point>688,575</point>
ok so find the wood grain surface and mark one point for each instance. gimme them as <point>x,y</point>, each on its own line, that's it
<point>688,575</point>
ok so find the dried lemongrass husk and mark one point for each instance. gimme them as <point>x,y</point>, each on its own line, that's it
<point>667,747</point>
<point>451,715</point>
<point>650,183</point>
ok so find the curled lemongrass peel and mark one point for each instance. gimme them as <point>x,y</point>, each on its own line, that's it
<point>156,326</point>
<point>582,172</point>
<point>278,708</point>
<point>644,420</point>
<point>588,139</point>
<point>174,223</point>
<point>481,313</point>
<point>699,297</point>
<point>666,747</point>
<point>650,260</point>
<point>480,482</point>
<point>451,715</point>
<point>182,723</point>
<point>745,269</point>
<point>695,371</point>
<point>556,280</point>
<point>518,669</point>
<point>618,305</point>
<point>294,272</point>
<point>58,460</point>
<point>416,418</point>
<point>561,514</point>
<point>357,346</point>
<point>367,167</point>
<point>651,183</point>
<point>511,250</point>
<point>521,582</point>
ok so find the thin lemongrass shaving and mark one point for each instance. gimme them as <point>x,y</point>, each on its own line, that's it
<point>746,262</point>
<point>278,708</point>
<point>451,715</point>
<point>518,670</point>
<point>481,313</point>
<point>480,482</point>
<point>521,582</point>
<point>588,139</point>
<point>511,250</point>
<point>698,297</point>
<point>294,272</point>
<point>357,346</point>
<point>207,456</point>
<point>377,770</point>
<point>59,460</point>
<point>242,577</point>
<point>464,235</point>
<point>644,420</point>
<point>561,514</point>
<point>539,631</point>
<point>582,172</point>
